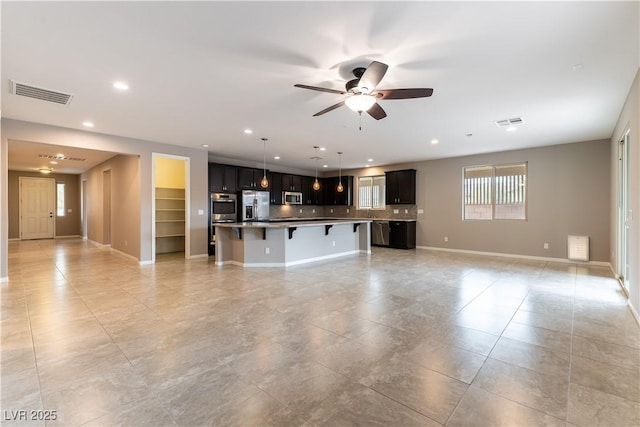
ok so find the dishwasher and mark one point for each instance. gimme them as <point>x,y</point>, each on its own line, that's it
<point>380,233</point>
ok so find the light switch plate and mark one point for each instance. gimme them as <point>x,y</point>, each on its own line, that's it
<point>200,211</point>
<point>420,211</point>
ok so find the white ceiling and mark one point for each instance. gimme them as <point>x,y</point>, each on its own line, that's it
<point>202,72</point>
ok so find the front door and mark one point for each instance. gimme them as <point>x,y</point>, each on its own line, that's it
<point>37,208</point>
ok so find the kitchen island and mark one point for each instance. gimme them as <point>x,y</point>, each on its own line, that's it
<point>285,243</point>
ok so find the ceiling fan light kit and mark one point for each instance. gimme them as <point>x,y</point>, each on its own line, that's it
<point>360,102</point>
<point>361,93</point>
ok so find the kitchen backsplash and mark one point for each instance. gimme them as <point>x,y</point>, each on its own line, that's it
<point>306,211</point>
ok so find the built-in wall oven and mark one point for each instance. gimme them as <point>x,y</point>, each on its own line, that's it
<point>224,208</point>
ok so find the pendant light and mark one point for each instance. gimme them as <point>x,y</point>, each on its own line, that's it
<point>316,184</point>
<point>340,188</point>
<point>264,182</point>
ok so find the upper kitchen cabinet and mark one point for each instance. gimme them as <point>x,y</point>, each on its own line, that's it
<point>291,182</point>
<point>333,197</point>
<point>309,195</point>
<point>249,178</point>
<point>223,178</point>
<point>275,188</point>
<point>400,187</point>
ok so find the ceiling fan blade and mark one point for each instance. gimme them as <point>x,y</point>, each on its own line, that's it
<point>326,110</point>
<point>405,93</point>
<point>377,112</point>
<point>321,89</point>
<point>372,76</point>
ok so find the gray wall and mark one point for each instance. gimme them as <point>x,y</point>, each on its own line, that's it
<point>568,194</point>
<point>68,225</point>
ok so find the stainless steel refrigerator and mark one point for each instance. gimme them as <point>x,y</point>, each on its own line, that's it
<point>254,206</point>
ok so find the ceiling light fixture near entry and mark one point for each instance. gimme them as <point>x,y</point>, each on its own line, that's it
<point>122,86</point>
<point>88,124</point>
<point>46,171</point>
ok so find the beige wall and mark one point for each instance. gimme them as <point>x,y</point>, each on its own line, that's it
<point>568,193</point>
<point>125,204</point>
<point>68,225</point>
<point>629,119</point>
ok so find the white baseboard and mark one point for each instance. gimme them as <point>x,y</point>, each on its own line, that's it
<point>72,236</point>
<point>529,257</point>
<point>634,312</point>
<point>198,256</point>
<point>291,263</point>
<point>15,239</point>
<point>146,262</point>
<point>124,254</point>
<point>98,244</point>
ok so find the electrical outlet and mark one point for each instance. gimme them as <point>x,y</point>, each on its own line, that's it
<point>200,211</point>
<point>300,210</point>
<point>420,211</point>
<point>406,211</point>
<point>347,210</point>
<point>395,211</point>
<point>546,246</point>
<point>446,239</point>
<point>266,251</point>
<point>331,210</point>
<point>313,211</point>
<point>333,243</point>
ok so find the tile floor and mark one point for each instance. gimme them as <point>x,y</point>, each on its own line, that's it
<point>399,338</point>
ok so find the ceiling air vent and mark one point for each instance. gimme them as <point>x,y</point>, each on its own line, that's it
<point>510,122</point>
<point>30,91</point>
<point>56,157</point>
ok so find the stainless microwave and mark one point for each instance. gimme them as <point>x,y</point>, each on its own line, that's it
<point>292,197</point>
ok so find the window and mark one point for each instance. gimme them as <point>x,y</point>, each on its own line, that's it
<point>495,192</point>
<point>371,192</point>
<point>60,199</point>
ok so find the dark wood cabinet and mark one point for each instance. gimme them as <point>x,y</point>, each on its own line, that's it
<point>223,178</point>
<point>309,195</point>
<point>291,182</point>
<point>249,178</point>
<point>331,194</point>
<point>402,234</point>
<point>275,188</point>
<point>400,187</point>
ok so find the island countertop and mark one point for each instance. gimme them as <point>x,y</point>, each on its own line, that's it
<point>286,223</point>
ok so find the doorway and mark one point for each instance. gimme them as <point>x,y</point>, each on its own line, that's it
<point>37,208</point>
<point>170,212</point>
<point>624,219</point>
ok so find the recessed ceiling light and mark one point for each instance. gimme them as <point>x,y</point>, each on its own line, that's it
<point>88,124</point>
<point>276,157</point>
<point>434,141</point>
<point>367,166</point>
<point>323,149</point>
<point>511,129</point>
<point>325,166</point>
<point>248,131</point>
<point>53,162</point>
<point>369,160</point>
<point>205,145</point>
<point>121,86</point>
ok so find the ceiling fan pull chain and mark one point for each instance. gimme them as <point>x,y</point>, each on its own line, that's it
<point>360,125</point>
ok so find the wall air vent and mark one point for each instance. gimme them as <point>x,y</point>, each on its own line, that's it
<point>31,91</point>
<point>56,157</point>
<point>510,122</point>
<point>578,248</point>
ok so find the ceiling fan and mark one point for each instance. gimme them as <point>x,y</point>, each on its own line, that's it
<point>361,93</point>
